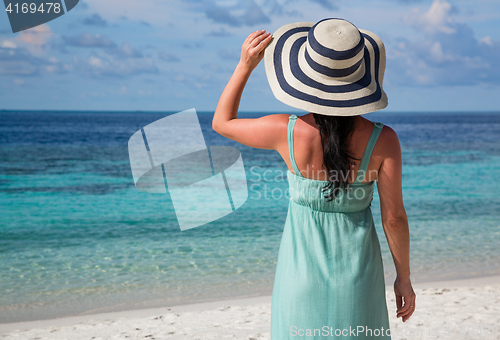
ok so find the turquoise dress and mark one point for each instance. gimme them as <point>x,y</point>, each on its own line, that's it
<point>329,281</point>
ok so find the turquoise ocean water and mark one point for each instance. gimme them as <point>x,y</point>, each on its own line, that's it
<point>76,237</point>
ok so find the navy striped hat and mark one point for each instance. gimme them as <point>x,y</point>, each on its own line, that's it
<point>329,67</point>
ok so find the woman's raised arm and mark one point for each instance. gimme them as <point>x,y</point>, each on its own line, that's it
<point>265,132</point>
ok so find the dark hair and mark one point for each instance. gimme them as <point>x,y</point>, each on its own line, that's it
<point>336,132</point>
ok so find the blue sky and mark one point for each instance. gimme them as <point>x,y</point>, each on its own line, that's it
<point>168,55</point>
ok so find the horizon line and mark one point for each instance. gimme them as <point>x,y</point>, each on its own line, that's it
<point>241,111</point>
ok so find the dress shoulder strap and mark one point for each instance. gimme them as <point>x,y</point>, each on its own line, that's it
<point>377,128</point>
<point>291,124</point>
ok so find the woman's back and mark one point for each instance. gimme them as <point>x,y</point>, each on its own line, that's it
<point>308,149</point>
<point>311,193</point>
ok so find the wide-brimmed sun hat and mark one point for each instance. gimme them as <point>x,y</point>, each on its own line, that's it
<point>330,67</point>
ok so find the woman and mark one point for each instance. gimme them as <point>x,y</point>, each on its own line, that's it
<point>329,277</point>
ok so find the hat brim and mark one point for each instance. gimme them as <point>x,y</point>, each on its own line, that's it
<point>299,86</point>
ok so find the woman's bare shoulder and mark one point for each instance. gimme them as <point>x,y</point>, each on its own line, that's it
<point>389,134</point>
<point>388,141</point>
<point>389,145</point>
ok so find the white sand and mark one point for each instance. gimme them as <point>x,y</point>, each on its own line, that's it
<point>464,309</point>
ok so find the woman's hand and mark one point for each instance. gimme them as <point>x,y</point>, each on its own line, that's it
<point>404,293</point>
<point>253,48</point>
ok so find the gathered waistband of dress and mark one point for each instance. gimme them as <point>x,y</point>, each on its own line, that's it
<point>341,210</point>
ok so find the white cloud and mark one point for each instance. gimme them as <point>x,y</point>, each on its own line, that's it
<point>436,19</point>
<point>487,41</point>
<point>105,65</point>
<point>89,40</point>
<point>95,62</point>
<point>35,40</point>
<point>36,36</point>
<point>126,50</point>
<point>30,54</point>
<point>447,52</point>
<point>21,62</point>
<point>168,57</point>
<point>155,12</point>
<point>34,56</point>
<point>8,44</point>
<point>18,62</point>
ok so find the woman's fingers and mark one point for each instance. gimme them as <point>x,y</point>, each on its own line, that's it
<point>262,46</point>
<point>399,302</point>
<point>405,316</point>
<point>404,308</point>
<point>410,312</point>
<point>407,310</point>
<point>256,40</point>
<point>252,36</point>
<point>403,311</point>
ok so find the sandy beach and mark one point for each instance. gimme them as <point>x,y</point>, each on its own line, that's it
<point>461,309</point>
